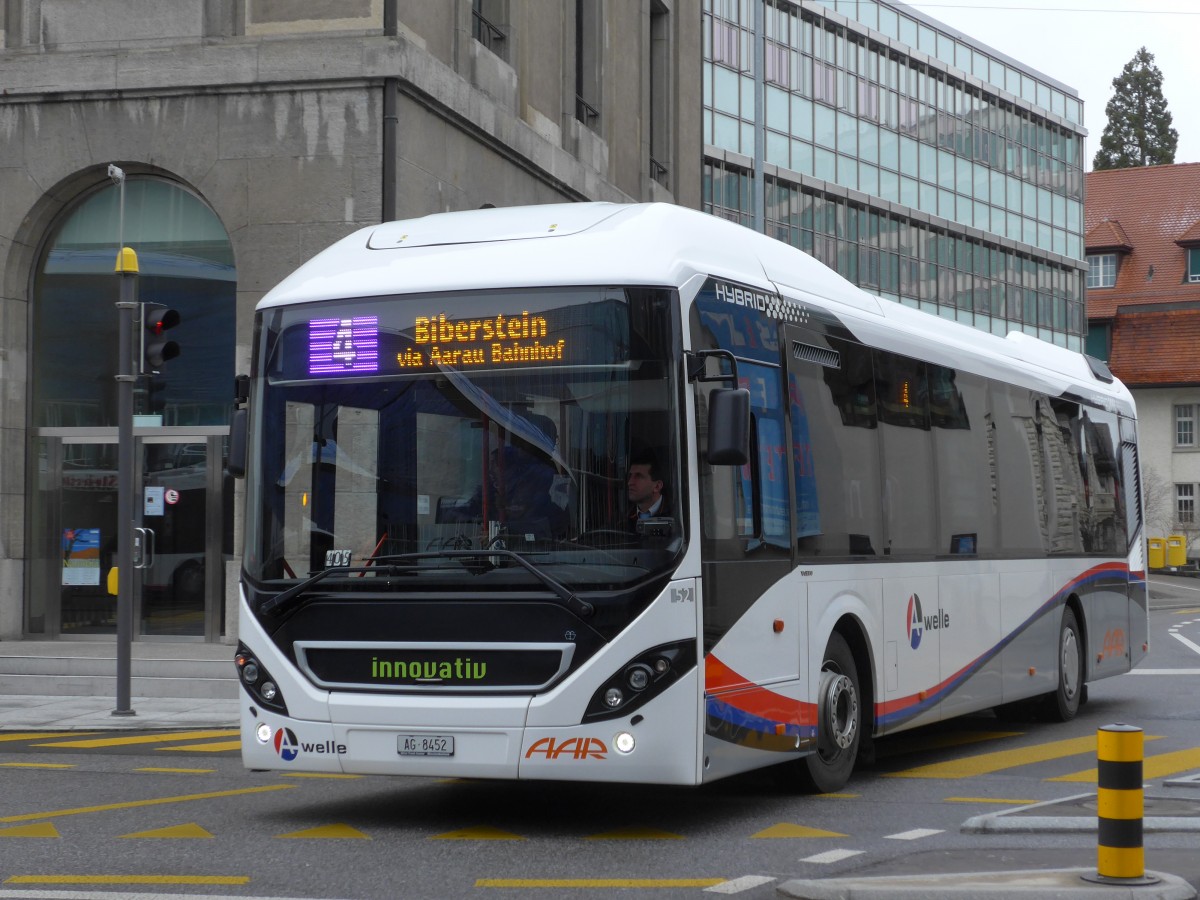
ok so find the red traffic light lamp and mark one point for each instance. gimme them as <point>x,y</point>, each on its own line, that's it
<point>157,319</point>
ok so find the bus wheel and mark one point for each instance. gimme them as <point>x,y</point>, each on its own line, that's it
<point>1063,703</point>
<point>839,721</point>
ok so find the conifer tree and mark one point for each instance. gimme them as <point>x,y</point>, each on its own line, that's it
<point>1139,131</point>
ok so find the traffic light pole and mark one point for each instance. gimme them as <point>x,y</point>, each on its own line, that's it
<point>127,269</point>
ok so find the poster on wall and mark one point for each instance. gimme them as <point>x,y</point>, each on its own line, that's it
<point>81,556</point>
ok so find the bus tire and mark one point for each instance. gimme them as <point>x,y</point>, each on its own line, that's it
<point>1063,703</point>
<point>839,721</point>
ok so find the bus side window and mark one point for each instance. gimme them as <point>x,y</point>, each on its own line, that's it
<point>773,516</point>
<point>1058,432</point>
<point>909,488</point>
<point>965,462</point>
<point>1021,473</point>
<point>835,448</point>
<point>727,515</point>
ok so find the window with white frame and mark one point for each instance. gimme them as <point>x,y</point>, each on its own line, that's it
<point>1193,270</point>
<point>1102,270</point>
<point>1185,425</point>
<point>1185,503</point>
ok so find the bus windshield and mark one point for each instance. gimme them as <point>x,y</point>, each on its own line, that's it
<point>414,432</point>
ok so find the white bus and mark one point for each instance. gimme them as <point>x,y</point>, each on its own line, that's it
<point>873,518</point>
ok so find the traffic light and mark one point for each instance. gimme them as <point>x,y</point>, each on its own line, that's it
<point>157,319</point>
<point>156,394</point>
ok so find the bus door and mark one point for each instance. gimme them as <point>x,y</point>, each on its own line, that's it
<point>753,616</point>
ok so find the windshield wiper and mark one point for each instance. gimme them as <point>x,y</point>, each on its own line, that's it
<point>285,598</point>
<point>570,600</point>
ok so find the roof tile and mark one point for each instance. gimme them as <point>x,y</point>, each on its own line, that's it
<point>1154,207</point>
<point>1156,346</point>
<point>1108,235</point>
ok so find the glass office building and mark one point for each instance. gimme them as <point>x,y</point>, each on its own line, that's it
<point>917,162</point>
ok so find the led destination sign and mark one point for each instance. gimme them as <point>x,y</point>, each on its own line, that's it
<point>475,342</point>
<point>356,345</point>
<point>343,346</point>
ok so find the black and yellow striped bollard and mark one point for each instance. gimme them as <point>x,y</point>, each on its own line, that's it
<point>1120,806</point>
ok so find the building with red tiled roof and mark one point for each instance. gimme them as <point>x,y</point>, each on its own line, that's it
<point>1142,239</point>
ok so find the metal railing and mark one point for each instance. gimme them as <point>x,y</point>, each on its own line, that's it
<point>487,33</point>
<point>585,112</point>
<point>659,172</point>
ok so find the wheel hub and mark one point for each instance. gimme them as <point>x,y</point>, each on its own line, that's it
<point>1070,664</point>
<point>838,709</point>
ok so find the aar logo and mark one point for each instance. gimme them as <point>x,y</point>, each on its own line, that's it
<point>286,744</point>
<point>572,748</point>
<point>916,625</point>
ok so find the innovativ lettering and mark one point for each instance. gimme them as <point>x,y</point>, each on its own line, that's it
<point>458,669</point>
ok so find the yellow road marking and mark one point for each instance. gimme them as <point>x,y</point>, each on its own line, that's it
<point>1158,766</point>
<point>836,796</point>
<point>128,879</point>
<point>176,771</point>
<point>161,738</point>
<point>39,735</point>
<point>203,748</point>
<point>40,830</point>
<point>986,763</point>
<point>634,833</point>
<point>598,882</point>
<point>788,830</point>
<point>328,832</point>
<point>191,830</point>
<point>38,765</point>
<point>478,833</point>
<point>1007,802</point>
<point>134,804</point>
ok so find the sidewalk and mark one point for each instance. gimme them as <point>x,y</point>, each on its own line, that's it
<point>41,713</point>
<point>1035,884</point>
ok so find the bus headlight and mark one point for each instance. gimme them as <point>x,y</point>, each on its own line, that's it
<point>624,742</point>
<point>640,679</point>
<point>258,681</point>
<point>263,733</point>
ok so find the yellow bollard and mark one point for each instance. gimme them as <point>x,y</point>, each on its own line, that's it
<point>1120,806</point>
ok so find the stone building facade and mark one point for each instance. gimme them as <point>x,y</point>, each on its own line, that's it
<point>251,134</point>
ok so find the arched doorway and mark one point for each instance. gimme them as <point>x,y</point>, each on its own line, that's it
<point>181,416</point>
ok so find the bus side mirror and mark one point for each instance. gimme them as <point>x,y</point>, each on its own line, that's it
<point>235,465</point>
<point>729,427</point>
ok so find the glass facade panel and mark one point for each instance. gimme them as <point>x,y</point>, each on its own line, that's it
<point>919,133</point>
<point>825,126</point>
<point>185,261</point>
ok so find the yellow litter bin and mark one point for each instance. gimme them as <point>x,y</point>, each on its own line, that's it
<point>1156,553</point>
<point>1177,550</point>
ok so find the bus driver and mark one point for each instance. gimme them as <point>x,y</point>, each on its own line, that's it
<point>644,486</point>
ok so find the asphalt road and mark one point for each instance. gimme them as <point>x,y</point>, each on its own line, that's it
<point>171,814</point>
